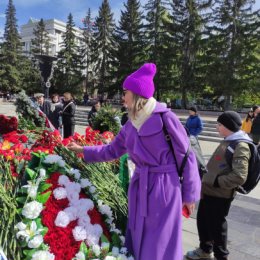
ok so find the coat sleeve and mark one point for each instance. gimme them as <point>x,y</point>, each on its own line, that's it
<point>103,153</point>
<point>239,171</point>
<point>191,181</point>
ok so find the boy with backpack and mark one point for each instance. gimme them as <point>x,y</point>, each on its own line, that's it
<point>219,188</point>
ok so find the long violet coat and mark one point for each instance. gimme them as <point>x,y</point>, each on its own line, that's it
<point>155,194</point>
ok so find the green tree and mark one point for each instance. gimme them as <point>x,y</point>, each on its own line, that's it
<point>157,42</point>
<point>11,51</point>
<point>68,72</point>
<point>186,31</point>
<point>129,38</point>
<point>29,76</point>
<point>234,50</point>
<point>87,49</point>
<point>41,41</point>
<point>104,49</point>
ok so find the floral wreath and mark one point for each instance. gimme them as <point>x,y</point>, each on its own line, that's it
<point>58,216</point>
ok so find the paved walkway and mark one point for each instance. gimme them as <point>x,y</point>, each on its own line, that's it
<point>243,220</point>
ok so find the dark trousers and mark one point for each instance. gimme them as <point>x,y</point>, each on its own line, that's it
<point>212,225</point>
<point>68,130</point>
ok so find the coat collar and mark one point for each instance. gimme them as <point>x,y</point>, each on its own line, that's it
<point>154,123</point>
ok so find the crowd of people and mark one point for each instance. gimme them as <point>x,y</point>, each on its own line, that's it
<point>61,115</point>
<point>157,196</point>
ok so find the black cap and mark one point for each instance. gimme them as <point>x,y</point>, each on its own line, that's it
<point>231,120</point>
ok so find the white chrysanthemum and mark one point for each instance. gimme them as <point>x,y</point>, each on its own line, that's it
<point>43,255</point>
<point>32,209</point>
<point>80,256</point>
<point>86,204</point>
<point>60,193</point>
<point>117,231</point>
<point>79,233</point>
<point>85,183</point>
<point>63,180</point>
<point>92,189</point>
<point>42,173</point>
<point>61,163</point>
<point>130,258</point>
<point>105,209</point>
<point>94,233</point>
<point>72,212</point>
<point>122,238</point>
<point>73,198</point>
<point>96,249</point>
<point>123,250</point>
<point>74,187</point>
<point>36,241</point>
<point>121,257</point>
<point>84,221</point>
<point>110,258</point>
<point>52,158</point>
<point>75,172</point>
<point>115,251</point>
<point>62,219</point>
<point>109,220</point>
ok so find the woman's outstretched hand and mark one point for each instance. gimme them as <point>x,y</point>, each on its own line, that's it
<point>75,147</point>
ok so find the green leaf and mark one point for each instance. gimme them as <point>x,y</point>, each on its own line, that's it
<point>32,174</point>
<point>42,198</point>
<point>116,241</point>
<point>29,253</point>
<point>83,248</point>
<point>21,199</point>
<point>44,186</point>
<point>104,239</point>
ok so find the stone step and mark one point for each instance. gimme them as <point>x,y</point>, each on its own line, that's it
<point>209,133</point>
<point>210,138</point>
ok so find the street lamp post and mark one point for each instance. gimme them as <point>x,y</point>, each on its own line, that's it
<point>46,68</point>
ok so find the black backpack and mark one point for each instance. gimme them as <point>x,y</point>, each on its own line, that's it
<point>253,175</point>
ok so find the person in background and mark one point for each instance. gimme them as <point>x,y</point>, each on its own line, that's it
<point>247,122</point>
<point>156,196</point>
<point>56,108</point>
<point>85,98</point>
<point>44,105</point>
<point>194,123</point>
<point>92,113</point>
<point>218,189</point>
<point>195,126</point>
<point>255,130</point>
<point>68,115</point>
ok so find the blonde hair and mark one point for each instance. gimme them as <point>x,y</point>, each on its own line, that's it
<point>138,103</point>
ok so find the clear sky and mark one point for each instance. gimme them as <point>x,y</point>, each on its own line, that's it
<point>60,9</point>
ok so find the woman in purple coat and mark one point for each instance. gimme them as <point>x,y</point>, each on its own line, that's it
<point>156,197</point>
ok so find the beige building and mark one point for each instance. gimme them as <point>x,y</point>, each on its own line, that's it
<point>56,30</point>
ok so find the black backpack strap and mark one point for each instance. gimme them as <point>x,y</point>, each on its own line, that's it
<point>231,149</point>
<point>184,161</point>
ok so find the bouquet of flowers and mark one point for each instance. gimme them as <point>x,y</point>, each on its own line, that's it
<point>8,124</point>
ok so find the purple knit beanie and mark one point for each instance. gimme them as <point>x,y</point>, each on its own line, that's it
<point>140,82</point>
